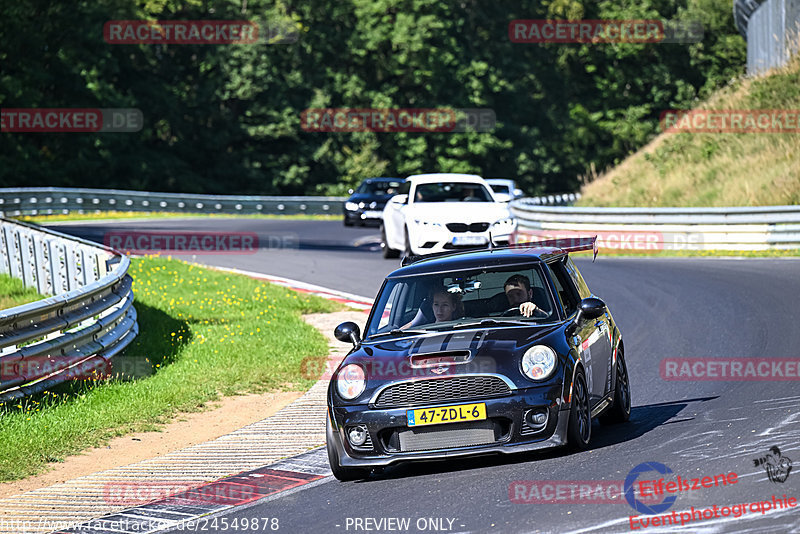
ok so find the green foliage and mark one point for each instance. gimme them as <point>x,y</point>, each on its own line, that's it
<point>226,118</point>
<point>14,293</point>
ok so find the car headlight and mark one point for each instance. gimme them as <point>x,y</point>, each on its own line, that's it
<point>428,224</point>
<point>350,206</point>
<point>508,222</point>
<point>350,381</point>
<point>539,362</point>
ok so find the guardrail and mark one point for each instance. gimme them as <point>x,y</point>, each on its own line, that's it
<point>87,319</point>
<point>653,229</point>
<point>55,200</point>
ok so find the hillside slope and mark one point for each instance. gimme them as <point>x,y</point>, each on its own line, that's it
<point>714,169</point>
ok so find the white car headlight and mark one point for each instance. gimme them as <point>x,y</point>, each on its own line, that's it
<point>350,381</point>
<point>539,362</point>
<point>350,206</point>
<point>505,223</point>
<point>428,224</point>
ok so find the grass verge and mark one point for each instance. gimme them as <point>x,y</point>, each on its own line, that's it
<point>13,293</point>
<point>122,215</point>
<point>714,169</point>
<point>203,334</point>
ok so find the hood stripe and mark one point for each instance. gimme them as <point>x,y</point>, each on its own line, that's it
<point>445,341</point>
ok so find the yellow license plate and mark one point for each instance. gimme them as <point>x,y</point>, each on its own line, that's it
<point>446,414</point>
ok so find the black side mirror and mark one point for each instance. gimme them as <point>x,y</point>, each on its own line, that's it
<point>591,308</point>
<point>588,308</point>
<point>348,331</point>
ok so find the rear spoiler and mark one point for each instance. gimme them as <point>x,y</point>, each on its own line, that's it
<point>567,244</point>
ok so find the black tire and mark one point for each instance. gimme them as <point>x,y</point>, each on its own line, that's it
<point>579,428</point>
<point>388,253</point>
<point>348,222</point>
<point>407,252</point>
<point>343,474</point>
<point>620,411</point>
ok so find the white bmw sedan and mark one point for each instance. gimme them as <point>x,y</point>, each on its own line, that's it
<point>443,212</point>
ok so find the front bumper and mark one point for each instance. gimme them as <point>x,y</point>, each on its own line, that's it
<point>364,216</point>
<point>509,410</point>
<point>429,238</point>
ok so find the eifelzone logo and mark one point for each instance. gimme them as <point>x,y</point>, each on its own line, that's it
<point>777,466</point>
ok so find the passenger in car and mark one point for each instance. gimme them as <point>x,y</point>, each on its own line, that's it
<point>446,306</point>
<point>450,308</point>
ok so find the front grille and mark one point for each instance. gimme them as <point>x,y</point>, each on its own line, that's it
<point>464,227</point>
<point>447,436</point>
<point>434,391</point>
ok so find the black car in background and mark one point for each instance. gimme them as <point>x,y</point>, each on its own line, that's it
<point>491,375</point>
<point>365,205</point>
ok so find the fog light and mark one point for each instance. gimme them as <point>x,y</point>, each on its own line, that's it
<point>357,435</point>
<point>536,418</point>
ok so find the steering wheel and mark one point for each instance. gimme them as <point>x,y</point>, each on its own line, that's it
<point>515,311</point>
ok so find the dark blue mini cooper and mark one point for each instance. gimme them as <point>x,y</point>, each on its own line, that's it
<point>493,351</point>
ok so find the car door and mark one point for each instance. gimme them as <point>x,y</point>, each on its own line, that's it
<point>394,218</point>
<point>590,338</point>
<point>603,324</point>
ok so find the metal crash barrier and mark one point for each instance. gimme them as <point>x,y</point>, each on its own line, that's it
<point>655,229</point>
<point>86,319</point>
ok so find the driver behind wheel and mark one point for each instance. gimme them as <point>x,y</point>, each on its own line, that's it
<point>519,293</point>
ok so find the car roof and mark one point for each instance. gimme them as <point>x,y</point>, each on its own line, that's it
<point>476,259</point>
<point>445,177</point>
<point>500,180</point>
<point>385,179</point>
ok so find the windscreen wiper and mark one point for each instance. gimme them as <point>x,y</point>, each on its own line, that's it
<point>399,332</point>
<point>491,322</point>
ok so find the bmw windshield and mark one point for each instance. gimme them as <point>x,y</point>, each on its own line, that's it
<point>452,192</point>
<point>451,300</point>
<point>379,187</point>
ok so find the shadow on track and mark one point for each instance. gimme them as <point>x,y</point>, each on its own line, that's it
<point>643,420</point>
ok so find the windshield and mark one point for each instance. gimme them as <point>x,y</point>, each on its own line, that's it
<point>442,301</point>
<point>379,187</point>
<point>452,192</point>
<point>499,188</point>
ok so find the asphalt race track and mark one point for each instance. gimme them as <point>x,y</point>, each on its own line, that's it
<point>665,308</point>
